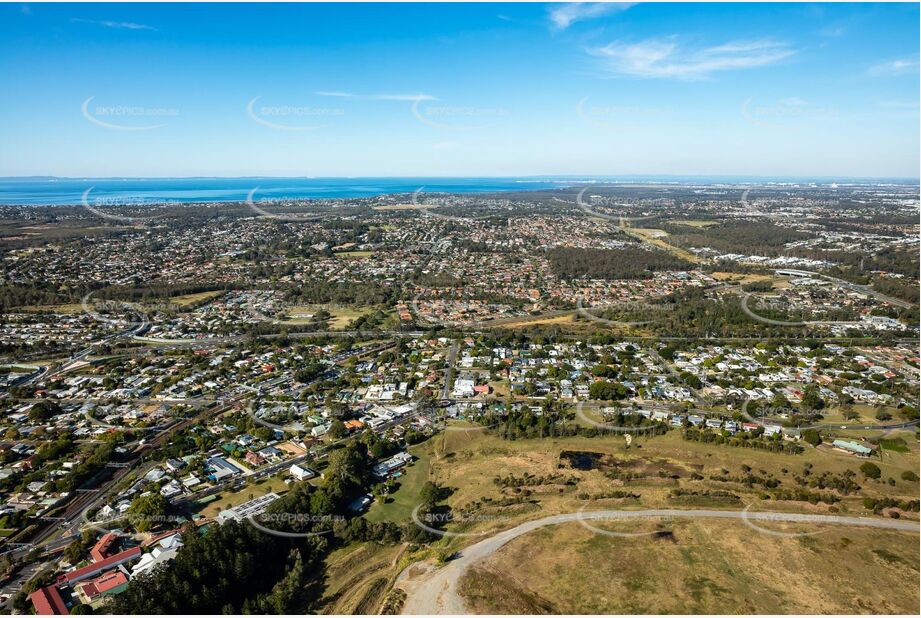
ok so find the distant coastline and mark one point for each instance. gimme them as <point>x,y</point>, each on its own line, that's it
<point>58,191</point>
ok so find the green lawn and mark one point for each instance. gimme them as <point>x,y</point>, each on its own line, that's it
<point>894,444</point>
<point>228,500</point>
<point>402,502</point>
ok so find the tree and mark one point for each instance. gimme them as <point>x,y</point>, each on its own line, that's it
<point>690,379</point>
<point>780,401</point>
<point>431,494</point>
<point>230,567</point>
<point>601,390</point>
<point>289,595</point>
<point>348,473</point>
<point>870,470</point>
<point>147,511</point>
<point>812,436</point>
<point>337,430</point>
<point>76,550</point>
<point>811,400</point>
<point>43,410</point>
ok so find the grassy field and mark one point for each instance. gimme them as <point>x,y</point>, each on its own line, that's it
<point>748,278</point>
<point>651,232</point>
<point>469,462</point>
<point>698,567</point>
<point>558,320</point>
<point>341,316</point>
<point>652,237</point>
<point>866,415</point>
<point>68,309</point>
<point>191,299</point>
<point>401,503</point>
<point>695,223</point>
<point>72,308</point>
<point>355,254</point>
<point>231,499</point>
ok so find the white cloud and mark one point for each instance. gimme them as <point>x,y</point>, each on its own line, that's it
<point>894,67</point>
<point>793,101</point>
<point>564,15</point>
<point>378,97</point>
<point>403,97</point>
<point>326,93</point>
<point>664,58</point>
<point>122,25</point>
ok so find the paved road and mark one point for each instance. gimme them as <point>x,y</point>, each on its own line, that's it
<point>435,591</point>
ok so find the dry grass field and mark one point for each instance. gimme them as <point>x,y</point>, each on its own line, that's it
<point>685,565</point>
<point>695,223</point>
<point>469,461</point>
<point>359,577</point>
<point>698,567</point>
<point>342,316</point>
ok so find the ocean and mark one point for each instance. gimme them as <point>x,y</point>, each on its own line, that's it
<point>70,191</point>
<point>51,191</point>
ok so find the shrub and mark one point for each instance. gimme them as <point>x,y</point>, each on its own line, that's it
<point>870,470</point>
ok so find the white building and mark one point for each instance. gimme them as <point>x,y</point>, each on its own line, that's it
<point>301,473</point>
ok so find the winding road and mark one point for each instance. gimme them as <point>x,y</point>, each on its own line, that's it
<point>435,591</point>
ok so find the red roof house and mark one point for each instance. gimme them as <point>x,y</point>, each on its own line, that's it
<point>112,582</point>
<point>48,602</point>
<point>72,577</point>
<point>105,547</point>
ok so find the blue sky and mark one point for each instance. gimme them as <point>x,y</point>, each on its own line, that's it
<point>459,89</point>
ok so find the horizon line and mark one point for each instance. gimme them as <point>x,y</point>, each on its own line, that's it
<point>467,176</point>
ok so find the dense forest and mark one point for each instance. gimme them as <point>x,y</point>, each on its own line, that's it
<point>572,263</point>
<point>747,237</point>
